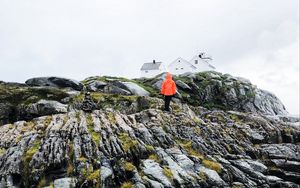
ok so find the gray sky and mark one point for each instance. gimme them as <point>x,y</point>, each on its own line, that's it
<point>255,39</point>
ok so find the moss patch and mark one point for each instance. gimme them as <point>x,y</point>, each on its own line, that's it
<point>129,166</point>
<point>2,151</point>
<point>212,165</point>
<point>203,176</point>
<point>187,145</point>
<point>31,151</point>
<point>167,172</point>
<point>90,125</point>
<point>154,157</point>
<point>127,185</point>
<point>127,142</point>
<point>95,175</point>
<point>42,183</point>
<point>149,147</point>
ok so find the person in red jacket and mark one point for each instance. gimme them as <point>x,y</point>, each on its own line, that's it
<point>168,89</point>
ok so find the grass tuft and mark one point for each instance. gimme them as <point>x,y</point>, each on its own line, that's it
<point>167,171</point>
<point>212,165</point>
<point>127,185</point>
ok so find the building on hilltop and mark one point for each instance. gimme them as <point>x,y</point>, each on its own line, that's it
<point>152,69</point>
<point>202,62</point>
<point>180,66</point>
<point>199,63</point>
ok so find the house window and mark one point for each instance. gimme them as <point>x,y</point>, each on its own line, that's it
<point>146,71</point>
<point>181,68</point>
<point>196,61</point>
<point>176,68</point>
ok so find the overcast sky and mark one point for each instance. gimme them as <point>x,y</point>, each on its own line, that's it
<point>255,39</point>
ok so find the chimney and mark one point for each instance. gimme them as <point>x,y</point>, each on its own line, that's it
<point>153,61</point>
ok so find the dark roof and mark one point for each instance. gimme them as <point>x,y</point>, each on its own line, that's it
<point>151,66</point>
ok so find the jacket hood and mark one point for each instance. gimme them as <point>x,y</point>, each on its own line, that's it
<point>169,76</point>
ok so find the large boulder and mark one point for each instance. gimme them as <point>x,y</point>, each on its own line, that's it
<point>267,103</point>
<point>41,108</point>
<point>55,82</point>
<point>6,111</point>
<point>112,89</point>
<point>135,89</point>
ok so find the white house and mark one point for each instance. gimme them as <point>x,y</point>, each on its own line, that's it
<point>202,62</point>
<point>152,69</point>
<point>180,66</point>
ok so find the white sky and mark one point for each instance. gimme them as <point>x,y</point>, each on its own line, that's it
<point>255,39</point>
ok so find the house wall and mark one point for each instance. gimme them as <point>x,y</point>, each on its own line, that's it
<point>180,66</point>
<point>149,73</point>
<point>202,64</point>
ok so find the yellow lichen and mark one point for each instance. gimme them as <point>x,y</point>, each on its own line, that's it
<point>70,169</point>
<point>203,176</point>
<point>95,175</point>
<point>149,147</point>
<point>51,185</point>
<point>2,151</point>
<point>154,157</point>
<point>83,159</point>
<point>127,142</point>
<point>212,165</point>
<point>187,145</point>
<point>197,130</point>
<point>42,183</point>
<point>90,125</point>
<point>129,166</point>
<point>167,171</point>
<point>127,185</point>
<point>111,117</point>
<point>32,150</point>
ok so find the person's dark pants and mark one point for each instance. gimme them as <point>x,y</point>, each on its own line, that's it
<point>167,102</point>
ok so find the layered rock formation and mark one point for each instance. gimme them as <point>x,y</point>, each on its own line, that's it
<point>214,137</point>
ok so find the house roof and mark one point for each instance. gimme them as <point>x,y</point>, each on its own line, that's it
<point>151,66</point>
<point>180,59</point>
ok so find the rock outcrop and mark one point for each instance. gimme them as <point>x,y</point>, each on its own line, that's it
<point>192,147</point>
<point>55,82</point>
<point>222,132</point>
<point>222,91</point>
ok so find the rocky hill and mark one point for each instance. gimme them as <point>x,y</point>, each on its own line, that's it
<point>111,132</point>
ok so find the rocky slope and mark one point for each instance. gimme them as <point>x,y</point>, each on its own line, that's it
<point>118,136</point>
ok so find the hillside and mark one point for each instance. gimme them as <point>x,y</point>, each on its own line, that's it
<point>222,132</point>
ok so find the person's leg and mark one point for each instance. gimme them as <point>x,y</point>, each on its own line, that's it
<point>168,100</point>
<point>166,103</point>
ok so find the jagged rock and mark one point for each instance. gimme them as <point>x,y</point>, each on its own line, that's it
<point>103,139</point>
<point>153,170</point>
<point>135,89</point>
<point>212,177</point>
<point>65,183</point>
<point>55,82</point>
<point>267,103</point>
<point>96,85</point>
<point>281,151</point>
<point>293,166</point>
<point>183,85</point>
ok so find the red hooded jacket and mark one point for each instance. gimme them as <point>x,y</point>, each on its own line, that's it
<point>168,86</point>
